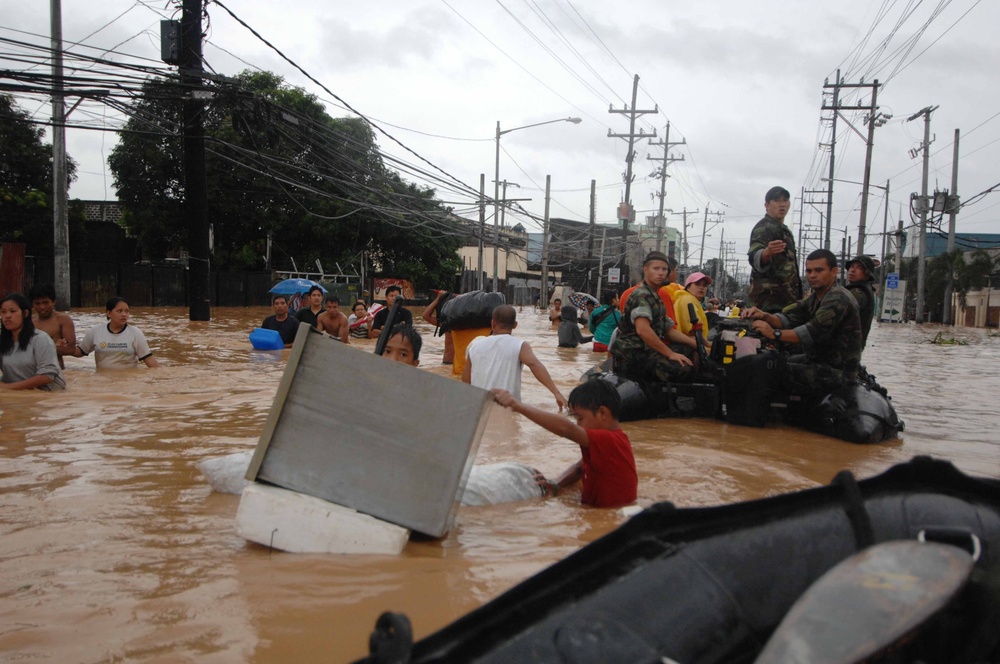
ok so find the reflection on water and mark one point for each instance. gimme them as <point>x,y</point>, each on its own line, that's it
<point>114,547</point>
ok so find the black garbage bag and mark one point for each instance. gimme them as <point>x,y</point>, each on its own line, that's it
<point>469,310</point>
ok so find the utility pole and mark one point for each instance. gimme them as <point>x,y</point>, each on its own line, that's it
<point>802,202</point>
<point>590,236</point>
<point>626,211</point>
<point>545,245</point>
<point>704,229</point>
<point>833,145</point>
<point>482,228</point>
<point>660,220</point>
<point>718,263</point>
<point>874,119</point>
<point>600,262</point>
<point>60,180</point>
<point>503,217</point>
<point>195,185</point>
<point>952,206</point>
<point>885,231</point>
<point>922,239</point>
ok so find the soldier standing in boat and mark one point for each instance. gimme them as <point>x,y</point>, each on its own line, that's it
<point>774,276</point>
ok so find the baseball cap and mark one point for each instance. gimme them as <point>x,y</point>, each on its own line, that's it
<point>696,277</point>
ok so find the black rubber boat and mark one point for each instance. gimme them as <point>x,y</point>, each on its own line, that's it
<point>707,585</point>
<point>861,412</point>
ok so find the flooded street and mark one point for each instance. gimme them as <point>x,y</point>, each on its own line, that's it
<point>114,548</point>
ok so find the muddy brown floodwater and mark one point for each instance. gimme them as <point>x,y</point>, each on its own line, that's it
<point>114,548</point>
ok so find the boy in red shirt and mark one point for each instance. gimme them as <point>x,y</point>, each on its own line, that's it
<point>608,465</point>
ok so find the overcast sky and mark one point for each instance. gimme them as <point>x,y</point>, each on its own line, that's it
<point>741,82</point>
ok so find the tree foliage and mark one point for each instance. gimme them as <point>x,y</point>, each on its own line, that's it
<point>26,181</point>
<point>277,164</point>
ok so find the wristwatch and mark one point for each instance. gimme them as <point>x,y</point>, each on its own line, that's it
<point>777,335</point>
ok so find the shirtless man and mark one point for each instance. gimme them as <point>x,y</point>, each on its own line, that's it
<point>332,321</point>
<point>58,326</point>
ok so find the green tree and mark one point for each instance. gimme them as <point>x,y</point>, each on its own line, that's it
<point>278,165</point>
<point>26,180</point>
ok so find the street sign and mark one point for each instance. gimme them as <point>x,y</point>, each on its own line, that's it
<point>893,301</point>
<point>614,275</point>
<point>892,280</point>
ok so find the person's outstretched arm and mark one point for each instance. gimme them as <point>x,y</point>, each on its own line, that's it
<point>430,311</point>
<point>554,422</point>
<point>528,358</point>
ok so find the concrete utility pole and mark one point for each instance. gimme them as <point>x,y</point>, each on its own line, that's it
<point>704,229</point>
<point>195,185</point>
<point>718,263</point>
<point>590,236</point>
<point>922,238</point>
<point>545,245</point>
<point>627,212</point>
<point>885,231</point>
<point>482,227</point>
<point>60,173</point>
<point>951,207</point>
<point>833,145</point>
<point>667,159</point>
<point>600,262</point>
<point>874,119</point>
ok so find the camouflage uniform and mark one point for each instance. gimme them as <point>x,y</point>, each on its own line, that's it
<point>775,284</point>
<point>829,331</point>
<point>633,358</point>
<point>865,295</point>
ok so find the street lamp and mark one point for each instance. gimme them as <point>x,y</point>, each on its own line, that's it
<point>496,195</point>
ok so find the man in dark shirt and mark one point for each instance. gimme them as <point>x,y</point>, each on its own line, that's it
<point>309,314</point>
<point>285,325</point>
<point>404,315</point>
<point>860,275</point>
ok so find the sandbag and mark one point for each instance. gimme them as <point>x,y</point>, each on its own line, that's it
<point>469,310</point>
<point>495,483</point>
<point>227,474</point>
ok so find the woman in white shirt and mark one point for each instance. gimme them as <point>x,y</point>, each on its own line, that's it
<point>117,345</point>
<point>28,358</point>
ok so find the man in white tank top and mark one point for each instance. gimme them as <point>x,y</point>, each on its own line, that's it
<point>496,361</point>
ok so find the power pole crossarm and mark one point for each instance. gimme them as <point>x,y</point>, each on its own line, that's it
<point>667,159</point>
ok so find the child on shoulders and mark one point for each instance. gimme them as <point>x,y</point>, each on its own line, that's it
<point>607,466</point>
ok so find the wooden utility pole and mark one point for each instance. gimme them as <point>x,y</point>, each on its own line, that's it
<point>60,179</point>
<point>626,209</point>
<point>195,186</point>
<point>667,159</point>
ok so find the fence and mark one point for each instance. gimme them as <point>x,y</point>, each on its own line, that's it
<point>92,283</point>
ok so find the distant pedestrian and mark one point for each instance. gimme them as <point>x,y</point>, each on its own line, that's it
<point>117,345</point>
<point>569,332</point>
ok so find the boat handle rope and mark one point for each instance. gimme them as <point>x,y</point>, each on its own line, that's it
<point>961,538</point>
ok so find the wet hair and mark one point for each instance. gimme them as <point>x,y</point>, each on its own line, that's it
<point>113,302</point>
<point>608,297</point>
<point>777,194</point>
<point>279,296</point>
<point>824,254</point>
<point>314,288</point>
<point>43,290</point>
<point>394,287</point>
<point>27,327</point>
<point>505,315</point>
<point>595,393</point>
<point>333,298</point>
<point>410,334</point>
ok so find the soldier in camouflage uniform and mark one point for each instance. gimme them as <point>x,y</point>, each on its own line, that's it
<point>640,352</point>
<point>825,324</point>
<point>774,276</point>
<point>860,275</point>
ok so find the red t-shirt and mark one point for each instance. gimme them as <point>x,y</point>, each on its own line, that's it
<point>609,475</point>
